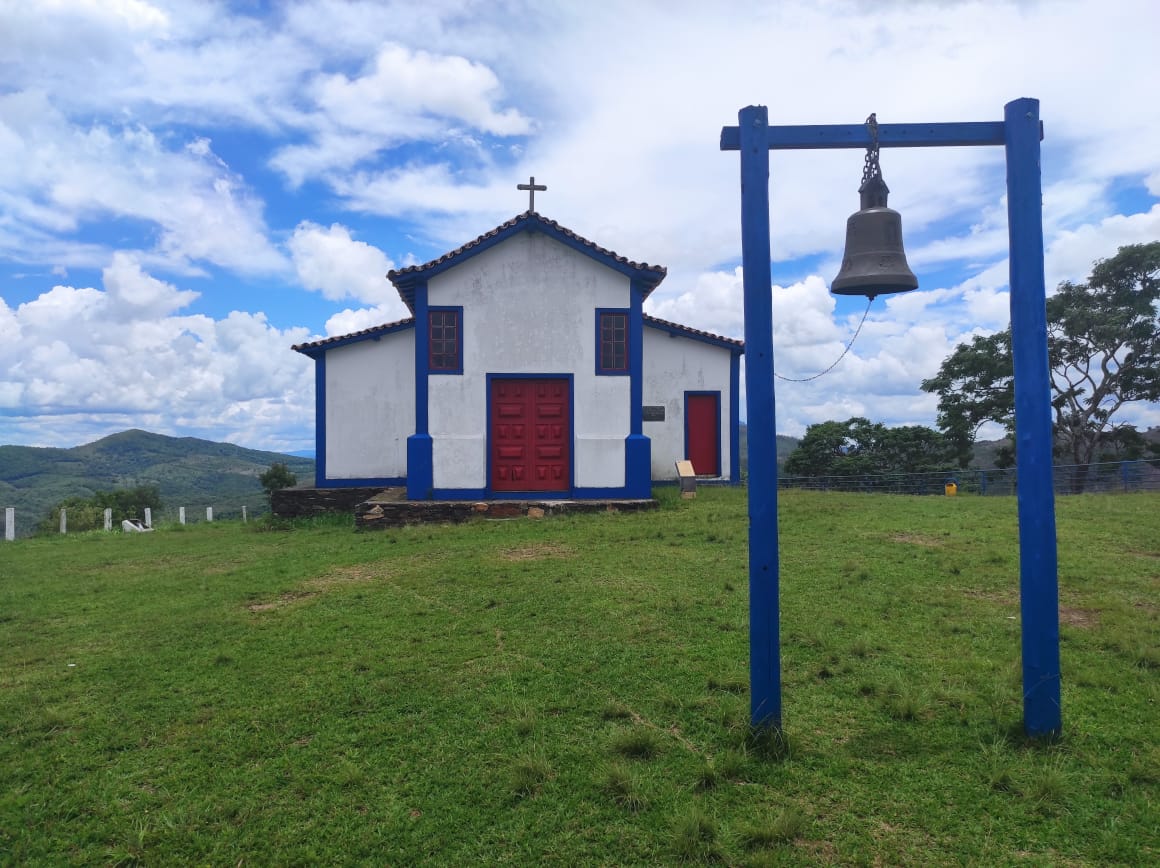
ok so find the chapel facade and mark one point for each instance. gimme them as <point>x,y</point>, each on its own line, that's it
<point>527,369</point>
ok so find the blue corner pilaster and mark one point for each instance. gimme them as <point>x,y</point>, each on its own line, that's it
<point>320,420</point>
<point>420,447</point>
<point>637,447</point>
<point>638,467</point>
<point>1038,568</point>
<point>735,419</point>
<point>420,467</point>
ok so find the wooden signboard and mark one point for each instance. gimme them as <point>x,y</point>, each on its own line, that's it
<point>688,478</point>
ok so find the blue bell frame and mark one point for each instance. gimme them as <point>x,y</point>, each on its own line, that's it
<point>1020,132</point>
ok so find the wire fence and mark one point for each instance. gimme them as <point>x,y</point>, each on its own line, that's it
<point>1109,477</point>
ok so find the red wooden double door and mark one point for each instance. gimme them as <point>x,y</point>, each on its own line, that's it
<point>530,435</point>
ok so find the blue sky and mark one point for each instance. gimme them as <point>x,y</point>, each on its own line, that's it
<point>187,189</point>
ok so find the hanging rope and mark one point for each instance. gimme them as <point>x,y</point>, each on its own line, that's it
<point>857,331</point>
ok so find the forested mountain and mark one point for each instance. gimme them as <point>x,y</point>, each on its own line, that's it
<point>187,471</point>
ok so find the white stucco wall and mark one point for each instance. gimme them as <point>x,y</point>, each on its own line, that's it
<point>674,365</point>
<point>529,307</point>
<point>370,407</point>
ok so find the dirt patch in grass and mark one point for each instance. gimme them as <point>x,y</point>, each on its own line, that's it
<point>339,578</point>
<point>916,539</point>
<point>280,601</point>
<point>1074,616</point>
<point>537,551</point>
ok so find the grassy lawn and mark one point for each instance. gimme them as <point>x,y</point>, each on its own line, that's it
<point>574,691</point>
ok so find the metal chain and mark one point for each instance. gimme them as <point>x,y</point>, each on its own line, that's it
<point>857,331</point>
<point>872,169</point>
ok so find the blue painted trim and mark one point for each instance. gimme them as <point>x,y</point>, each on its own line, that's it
<point>457,308</point>
<point>320,420</point>
<point>830,136</point>
<point>764,616</point>
<point>575,494</point>
<point>459,494</point>
<point>705,338</point>
<point>367,335</point>
<point>700,393</point>
<point>735,419</point>
<point>369,482</point>
<point>408,283</point>
<point>1038,569</point>
<point>629,343</point>
<point>489,491</point>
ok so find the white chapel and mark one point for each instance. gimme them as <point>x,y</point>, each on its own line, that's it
<point>528,368</point>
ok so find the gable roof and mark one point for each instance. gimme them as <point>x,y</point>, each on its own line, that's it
<point>406,279</point>
<point>315,348</point>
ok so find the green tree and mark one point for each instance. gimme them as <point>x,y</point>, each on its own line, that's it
<point>1104,351</point>
<point>277,477</point>
<point>859,447</point>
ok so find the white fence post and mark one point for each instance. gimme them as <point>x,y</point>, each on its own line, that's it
<point>63,520</point>
<point>148,517</point>
<point>108,519</point>
<point>244,515</point>
<point>181,514</point>
<point>209,513</point>
<point>10,523</point>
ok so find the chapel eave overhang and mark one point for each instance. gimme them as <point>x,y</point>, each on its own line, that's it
<point>646,276</point>
<point>675,329</point>
<point>316,348</point>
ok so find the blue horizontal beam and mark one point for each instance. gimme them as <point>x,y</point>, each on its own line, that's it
<point>793,138</point>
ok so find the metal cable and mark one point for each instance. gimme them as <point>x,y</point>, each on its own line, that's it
<point>857,331</point>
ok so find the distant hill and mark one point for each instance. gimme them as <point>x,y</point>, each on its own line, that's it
<point>187,471</point>
<point>785,445</point>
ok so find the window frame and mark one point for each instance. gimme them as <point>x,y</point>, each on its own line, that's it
<point>601,369</point>
<point>457,366</point>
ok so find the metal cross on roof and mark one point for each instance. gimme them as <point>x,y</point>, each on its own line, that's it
<point>531,187</point>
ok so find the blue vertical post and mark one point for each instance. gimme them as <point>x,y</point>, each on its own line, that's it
<point>1038,572</point>
<point>764,650</point>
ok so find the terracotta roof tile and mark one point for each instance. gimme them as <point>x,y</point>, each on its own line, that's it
<point>676,326</point>
<point>373,330</point>
<point>660,270</point>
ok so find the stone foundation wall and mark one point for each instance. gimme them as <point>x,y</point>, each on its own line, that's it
<point>380,514</point>
<point>298,502</point>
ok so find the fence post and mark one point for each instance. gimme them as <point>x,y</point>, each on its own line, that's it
<point>63,520</point>
<point>181,514</point>
<point>10,523</point>
<point>244,515</point>
<point>148,517</point>
<point>108,519</point>
<point>209,513</point>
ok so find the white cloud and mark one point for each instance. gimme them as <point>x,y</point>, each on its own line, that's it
<point>58,177</point>
<point>330,261</point>
<point>347,321</point>
<point>125,352</point>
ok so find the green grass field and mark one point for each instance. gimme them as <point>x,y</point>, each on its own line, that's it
<point>574,691</point>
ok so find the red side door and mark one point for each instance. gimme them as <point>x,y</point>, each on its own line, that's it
<point>530,435</point>
<point>702,433</point>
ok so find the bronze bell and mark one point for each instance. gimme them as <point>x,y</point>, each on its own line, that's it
<point>874,262</point>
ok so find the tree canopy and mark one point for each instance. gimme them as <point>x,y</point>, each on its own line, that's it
<point>859,447</point>
<point>277,477</point>
<point>88,513</point>
<point>1104,352</point>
